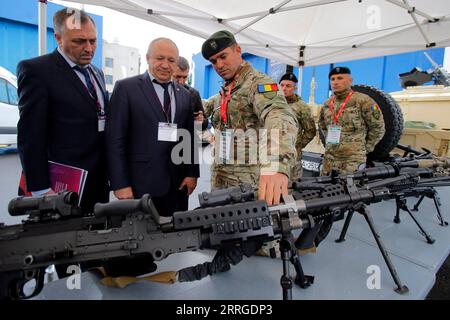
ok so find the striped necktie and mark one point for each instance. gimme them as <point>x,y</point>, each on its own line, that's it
<point>90,86</point>
<point>166,104</point>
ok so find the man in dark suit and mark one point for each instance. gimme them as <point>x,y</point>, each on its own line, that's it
<point>62,103</point>
<point>148,115</point>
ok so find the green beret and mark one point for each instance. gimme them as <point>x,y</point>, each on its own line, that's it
<point>339,70</point>
<point>289,76</point>
<point>217,42</point>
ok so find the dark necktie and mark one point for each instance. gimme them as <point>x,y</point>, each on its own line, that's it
<point>166,104</point>
<point>90,86</point>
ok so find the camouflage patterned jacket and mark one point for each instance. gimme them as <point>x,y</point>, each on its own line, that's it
<point>252,107</point>
<point>362,127</point>
<point>307,127</point>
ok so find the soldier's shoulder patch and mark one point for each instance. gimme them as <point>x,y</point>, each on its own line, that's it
<point>375,107</point>
<point>376,111</point>
<point>268,90</point>
<point>263,88</point>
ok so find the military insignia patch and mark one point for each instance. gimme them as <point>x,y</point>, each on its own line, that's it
<point>264,88</point>
<point>376,111</point>
<point>213,45</point>
<point>268,90</point>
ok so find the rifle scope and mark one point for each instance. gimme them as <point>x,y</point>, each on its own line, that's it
<point>61,202</point>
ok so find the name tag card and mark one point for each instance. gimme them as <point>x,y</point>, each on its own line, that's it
<point>334,135</point>
<point>225,146</point>
<point>167,132</point>
<point>101,123</point>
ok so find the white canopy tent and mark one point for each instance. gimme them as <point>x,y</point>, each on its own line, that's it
<point>304,32</point>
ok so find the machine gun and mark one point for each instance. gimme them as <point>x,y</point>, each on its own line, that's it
<point>414,175</point>
<point>129,228</point>
<point>417,77</point>
<point>229,218</point>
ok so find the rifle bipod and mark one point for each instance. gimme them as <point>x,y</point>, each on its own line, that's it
<point>432,194</point>
<point>401,205</point>
<point>401,289</point>
<point>289,255</point>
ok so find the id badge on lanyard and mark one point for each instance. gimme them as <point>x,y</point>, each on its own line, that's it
<point>225,146</point>
<point>101,122</point>
<point>334,134</point>
<point>334,131</point>
<point>167,132</point>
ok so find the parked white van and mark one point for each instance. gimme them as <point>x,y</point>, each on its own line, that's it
<point>9,112</point>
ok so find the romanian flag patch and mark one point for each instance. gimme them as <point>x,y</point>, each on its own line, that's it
<point>264,88</point>
<point>376,112</point>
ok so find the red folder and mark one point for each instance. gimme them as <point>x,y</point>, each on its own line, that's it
<point>62,178</point>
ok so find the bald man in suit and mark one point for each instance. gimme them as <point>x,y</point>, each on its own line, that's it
<point>149,113</point>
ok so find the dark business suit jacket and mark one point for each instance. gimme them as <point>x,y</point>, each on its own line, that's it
<point>135,156</point>
<point>59,122</point>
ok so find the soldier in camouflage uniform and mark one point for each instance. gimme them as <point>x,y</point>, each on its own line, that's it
<point>307,127</point>
<point>352,124</point>
<point>249,101</point>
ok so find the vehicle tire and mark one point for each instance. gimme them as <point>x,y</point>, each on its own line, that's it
<point>393,122</point>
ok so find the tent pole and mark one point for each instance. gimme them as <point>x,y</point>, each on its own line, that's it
<point>42,27</point>
<point>296,7</point>
<point>315,59</point>
<point>271,11</point>
<point>300,81</point>
<point>411,9</point>
<point>258,42</point>
<point>413,16</point>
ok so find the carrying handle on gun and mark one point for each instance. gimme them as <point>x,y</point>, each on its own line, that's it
<point>125,207</point>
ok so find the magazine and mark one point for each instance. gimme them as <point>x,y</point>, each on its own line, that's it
<point>62,178</point>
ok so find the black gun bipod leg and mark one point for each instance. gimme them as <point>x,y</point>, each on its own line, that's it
<point>286,280</point>
<point>437,203</point>
<point>433,194</point>
<point>400,287</point>
<point>397,211</point>
<point>345,227</point>
<point>401,205</point>
<point>289,255</point>
<point>302,280</point>
<point>416,206</point>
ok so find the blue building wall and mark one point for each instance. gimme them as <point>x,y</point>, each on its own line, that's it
<point>19,32</point>
<point>381,72</point>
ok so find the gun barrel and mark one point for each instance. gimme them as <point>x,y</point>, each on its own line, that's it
<point>433,63</point>
<point>379,172</point>
<point>342,200</point>
<point>408,149</point>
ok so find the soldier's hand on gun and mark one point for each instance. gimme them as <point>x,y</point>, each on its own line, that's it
<point>272,186</point>
<point>190,184</point>
<point>124,193</point>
